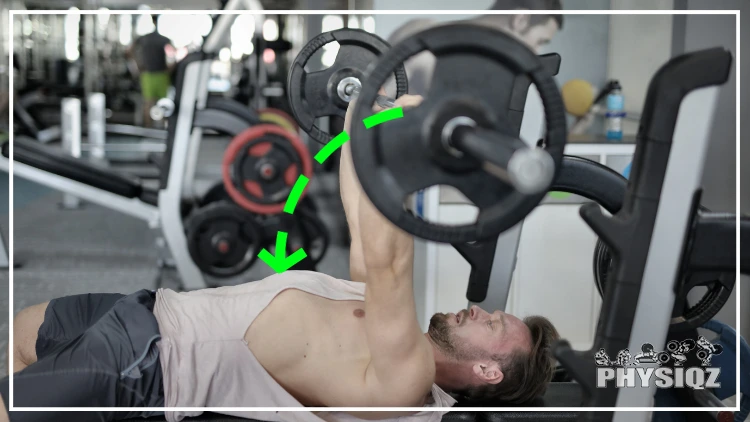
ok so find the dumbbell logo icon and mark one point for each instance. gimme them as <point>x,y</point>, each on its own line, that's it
<point>676,351</point>
<point>705,351</point>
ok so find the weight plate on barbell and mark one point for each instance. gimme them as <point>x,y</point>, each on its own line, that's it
<point>261,165</point>
<point>223,239</point>
<point>322,93</point>
<point>474,77</point>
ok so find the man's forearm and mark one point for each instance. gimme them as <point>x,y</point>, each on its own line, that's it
<point>385,247</point>
<point>376,242</point>
<point>350,196</point>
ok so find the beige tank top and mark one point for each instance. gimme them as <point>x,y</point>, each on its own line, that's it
<point>207,363</point>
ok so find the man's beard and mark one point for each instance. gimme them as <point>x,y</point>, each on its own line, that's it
<point>442,334</point>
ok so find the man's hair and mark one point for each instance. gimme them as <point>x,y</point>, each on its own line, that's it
<point>526,374</point>
<point>533,5</point>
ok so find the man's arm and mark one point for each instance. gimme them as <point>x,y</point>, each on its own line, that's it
<point>351,192</point>
<point>131,53</point>
<point>170,53</point>
<point>401,357</point>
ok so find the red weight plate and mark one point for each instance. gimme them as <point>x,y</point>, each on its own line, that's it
<point>290,175</point>
<point>237,144</point>
<point>260,149</point>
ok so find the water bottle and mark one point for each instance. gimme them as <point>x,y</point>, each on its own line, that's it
<point>615,112</point>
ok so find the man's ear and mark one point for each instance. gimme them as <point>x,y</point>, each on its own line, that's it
<point>520,23</point>
<point>488,372</point>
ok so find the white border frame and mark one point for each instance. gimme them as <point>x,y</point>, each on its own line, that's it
<point>736,63</point>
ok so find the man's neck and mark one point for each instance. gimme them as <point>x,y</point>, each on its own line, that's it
<point>447,370</point>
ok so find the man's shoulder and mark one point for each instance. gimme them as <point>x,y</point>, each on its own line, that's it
<point>155,37</point>
<point>410,380</point>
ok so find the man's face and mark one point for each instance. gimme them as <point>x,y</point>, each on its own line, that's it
<point>538,35</point>
<point>534,36</point>
<point>475,335</point>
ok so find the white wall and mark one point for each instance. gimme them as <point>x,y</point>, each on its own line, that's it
<point>386,24</point>
<point>583,45</point>
<point>638,46</point>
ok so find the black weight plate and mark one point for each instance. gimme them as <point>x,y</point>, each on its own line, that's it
<point>475,72</point>
<point>314,94</point>
<point>223,239</point>
<point>218,192</point>
<point>305,230</point>
<point>315,235</point>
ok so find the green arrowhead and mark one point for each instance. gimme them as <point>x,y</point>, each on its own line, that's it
<point>280,262</point>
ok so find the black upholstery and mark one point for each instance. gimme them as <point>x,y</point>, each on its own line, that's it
<point>457,416</point>
<point>233,107</point>
<point>62,164</point>
<point>211,417</point>
<point>448,417</point>
<point>460,417</point>
<point>559,394</point>
<point>527,416</point>
<point>150,196</point>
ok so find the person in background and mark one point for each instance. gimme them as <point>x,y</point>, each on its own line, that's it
<point>150,54</point>
<point>534,31</point>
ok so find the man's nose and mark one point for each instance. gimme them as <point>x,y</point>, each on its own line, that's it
<point>475,312</point>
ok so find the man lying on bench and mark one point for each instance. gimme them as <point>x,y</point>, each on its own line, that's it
<point>293,339</point>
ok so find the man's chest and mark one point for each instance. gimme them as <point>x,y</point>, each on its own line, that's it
<point>303,339</point>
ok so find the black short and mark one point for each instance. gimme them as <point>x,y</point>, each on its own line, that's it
<point>93,350</point>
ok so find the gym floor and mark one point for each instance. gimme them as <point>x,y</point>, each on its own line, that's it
<point>96,250</point>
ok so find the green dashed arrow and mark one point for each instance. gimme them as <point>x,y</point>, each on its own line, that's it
<point>280,262</point>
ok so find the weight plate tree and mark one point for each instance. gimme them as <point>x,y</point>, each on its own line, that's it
<point>223,239</point>
<point>607,188</point>
<point>459,135</point>
<point>327,92</point>
<point>261,165</point>
<point>718,285</point>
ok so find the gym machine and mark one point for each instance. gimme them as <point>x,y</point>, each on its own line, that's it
<point>95,105</point>
<point>661,196</point>
<point>163,207</point>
